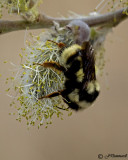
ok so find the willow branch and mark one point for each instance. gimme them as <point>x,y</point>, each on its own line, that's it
<point>44,21</point>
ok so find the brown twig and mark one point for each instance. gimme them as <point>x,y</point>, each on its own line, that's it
<point>44,21</point>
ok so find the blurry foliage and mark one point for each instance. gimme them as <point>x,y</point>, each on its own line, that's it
<point>20,7</point>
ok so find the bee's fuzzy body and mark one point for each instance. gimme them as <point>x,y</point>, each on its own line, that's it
<point>81,86</point>
<point>78,65</point>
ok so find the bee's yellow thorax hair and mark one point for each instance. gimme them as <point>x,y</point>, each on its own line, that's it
<point>70,51</point>
<point>80,75</point>
<point>92,86</point>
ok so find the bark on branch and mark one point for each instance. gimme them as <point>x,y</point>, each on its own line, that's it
<point>44,21</point>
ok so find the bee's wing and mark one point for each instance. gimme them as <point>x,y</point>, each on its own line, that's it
<point>88,63</point>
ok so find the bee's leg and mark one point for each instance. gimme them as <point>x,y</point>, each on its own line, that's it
<point>62,92</point>
<point>54,94</point>
<point>53,65</point>
<point>60,45</point>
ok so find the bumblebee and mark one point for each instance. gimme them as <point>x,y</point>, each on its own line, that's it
<point>80,87</point>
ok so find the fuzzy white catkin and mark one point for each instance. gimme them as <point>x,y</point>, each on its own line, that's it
<point>80,30</point>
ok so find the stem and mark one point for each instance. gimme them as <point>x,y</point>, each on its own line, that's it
<point>43,21</point>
